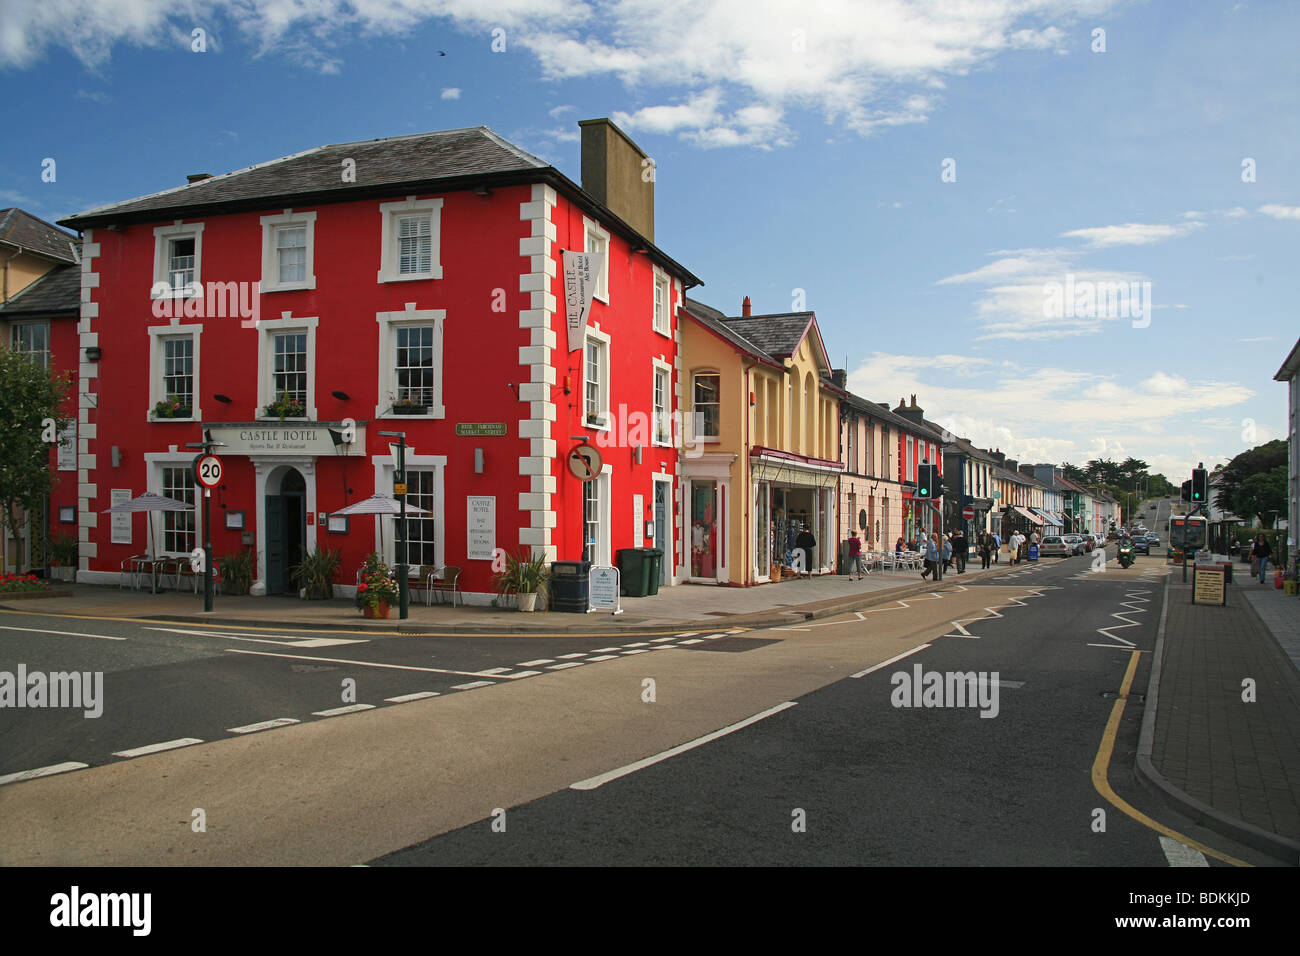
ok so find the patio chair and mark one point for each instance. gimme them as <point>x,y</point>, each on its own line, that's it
<point>449,583</point>
<point>423,581</point>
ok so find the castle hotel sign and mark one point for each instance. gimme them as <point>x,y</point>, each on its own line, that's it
<point>298,438</point>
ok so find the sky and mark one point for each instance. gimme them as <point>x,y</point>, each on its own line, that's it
<point>1069,227</point>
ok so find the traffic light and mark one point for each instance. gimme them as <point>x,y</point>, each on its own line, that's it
<point>937,491</point>
<point>925,481</point>
<point>1187,491</point>
<point>1199,483</point>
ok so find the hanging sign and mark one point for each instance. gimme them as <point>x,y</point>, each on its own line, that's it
<point>580,272</point>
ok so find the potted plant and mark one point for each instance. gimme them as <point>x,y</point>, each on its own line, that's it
<point>286,407</point>
<point>315,573</point>
<point>409,406</point>
<point>63,557</point>
<point>376,590</point>
<point>236,572</point>
<point>525,577</point>
<point>172,407</point>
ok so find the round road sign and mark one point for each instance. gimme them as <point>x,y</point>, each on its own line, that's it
<point>208,471</point>
<point>968,513</point>
<point>584,462</point>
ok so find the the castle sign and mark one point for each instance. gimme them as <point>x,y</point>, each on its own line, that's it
<point>299,438</point>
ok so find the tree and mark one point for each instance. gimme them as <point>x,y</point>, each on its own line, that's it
<point>30,397</point>
<point>1131,471</point>
<point>1263,495</point>
<point>1257,460</point>
<point>1073,473</point>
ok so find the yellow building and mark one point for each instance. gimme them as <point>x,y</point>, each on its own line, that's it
<point>760,459</point>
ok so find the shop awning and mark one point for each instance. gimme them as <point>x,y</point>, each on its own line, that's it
<point>1028,514</point>
<point>1046,516</point>
<point>982,504</point>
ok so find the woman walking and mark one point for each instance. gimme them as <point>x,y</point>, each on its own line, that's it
<point>931,560</point>
<point>1261,553</point>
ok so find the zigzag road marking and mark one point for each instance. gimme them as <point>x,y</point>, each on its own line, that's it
<point>1014,601</point>
<point>1133,609</point>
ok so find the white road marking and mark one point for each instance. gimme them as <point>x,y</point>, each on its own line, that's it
<point>638,644</point>
<point>41,772</point>
<point>709,637</point>
<point>1180,854</point>
<point>626,653</point>
<point>155,748</point>
<point>524,674</point>
<point>591,783</point>
<point>37,630</point>
<point>569,657</point>
<point>281,640</point>
<point>660,640</point>
<point>536,663</point>
<point>894,659</point>
<point>687,634</point>
<point>336,711</point>
<point>493,670</point>
<point>560,667</point>
<point>603,657</point>
<point>472,684</point>
<point>736,630</point>
<point>396,667</point>
<point>607,650</point>
<point>264,725</point>
<point>694,640</point>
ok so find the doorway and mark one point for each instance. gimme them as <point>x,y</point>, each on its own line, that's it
<point>286,529</point>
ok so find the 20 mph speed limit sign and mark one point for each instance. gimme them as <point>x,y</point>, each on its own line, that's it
<point>207,470</point>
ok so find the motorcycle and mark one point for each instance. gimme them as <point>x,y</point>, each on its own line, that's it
<point>1125,553</point>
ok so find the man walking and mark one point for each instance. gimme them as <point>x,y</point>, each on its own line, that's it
<point>931,560</point>
<point>960,548</point>
<point>806,542</point>
<point>985,549</point>
<point>855,555</point>
<point>997,548</point>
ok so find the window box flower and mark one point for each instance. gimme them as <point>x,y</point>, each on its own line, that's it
<point>286,407</point>
<point>172,407</point>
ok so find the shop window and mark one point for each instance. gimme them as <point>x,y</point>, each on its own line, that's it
<point>707,406</point>
<point>704,529</point>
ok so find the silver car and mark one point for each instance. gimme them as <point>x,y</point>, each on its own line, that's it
<point>1075,541</point>
<point>1054,546</point>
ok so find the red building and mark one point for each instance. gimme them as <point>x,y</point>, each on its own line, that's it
<point>295,309</point>
<point>917,443</point>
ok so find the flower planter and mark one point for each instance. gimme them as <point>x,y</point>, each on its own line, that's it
<point>380,610</point>
<point>528,602</point>
<point>410,409</point>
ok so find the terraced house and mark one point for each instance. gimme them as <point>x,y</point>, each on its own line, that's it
<point>295,309</point>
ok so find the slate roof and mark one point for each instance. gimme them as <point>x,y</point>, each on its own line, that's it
<point>714,320</point>
<point>777,335</point>
<point>57,292</point>
<point>20,228</point>
<point>390,162</point>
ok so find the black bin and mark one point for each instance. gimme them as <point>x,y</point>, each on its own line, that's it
<point>634,571</point>
<point>570,581</point>
<point>655,556</point>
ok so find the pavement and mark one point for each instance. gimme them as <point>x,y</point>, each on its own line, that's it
<point>1221,735</point>
<point>683,607</point>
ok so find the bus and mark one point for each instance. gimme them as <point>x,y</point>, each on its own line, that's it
<point>1186,534</point>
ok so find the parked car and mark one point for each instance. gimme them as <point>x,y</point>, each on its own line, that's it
<point>1054,546</point>
<point>1140,544</point>
<point>1075,542</point>
<point>1153,539</point>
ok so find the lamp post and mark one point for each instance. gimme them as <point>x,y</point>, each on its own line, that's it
<point>205,447</point>
<point>399,490</point>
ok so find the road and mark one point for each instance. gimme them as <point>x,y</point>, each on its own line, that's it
<point>513,750</point>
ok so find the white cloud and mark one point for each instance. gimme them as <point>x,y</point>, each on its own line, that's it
<point>1280,212</point>
<point>863,67</point>
<point>451,93</point>
<point>1130,234</point>
<point>1236,212</point>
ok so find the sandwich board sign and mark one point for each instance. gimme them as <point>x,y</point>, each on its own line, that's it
<point>603,589</point>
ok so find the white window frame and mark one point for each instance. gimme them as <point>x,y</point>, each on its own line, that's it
<point>851,446</point>
<point>385,468</point>
<point>594,334</point>
<point>390,248</point>
<point>911,459</point>
<point>591,228</point>
<point>31,323</point>
<point>271,261</point>
<point>602,553</point>
<point>695,415</point>
<point>162,239</point>
<point>388,322</point>
<point>156,352</point>
<point>155,462</point>
<point>267,330</point>
<point>660,367</point>
<point>662,303</point>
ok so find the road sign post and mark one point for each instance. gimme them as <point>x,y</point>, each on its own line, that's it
<point>207,472</point>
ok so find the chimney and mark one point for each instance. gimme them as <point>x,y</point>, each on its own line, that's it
<point>619,174</point>
<point>913,413</point>
<point>1012,464</point>
<point>745,307</point>
<point>197,177</point>
<point>838,375</point>
<point>999,457</point>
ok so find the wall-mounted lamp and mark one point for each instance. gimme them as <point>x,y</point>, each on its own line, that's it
<point>341,396</point>
<point>636,454</point>
<point>223,399</point>
<point>93,352</point>
<point>478,461</point>
<point>117,456</point>
<point>482,191</point>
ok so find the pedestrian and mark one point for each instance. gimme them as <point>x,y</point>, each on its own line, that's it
<point>1033,536</point>
<point>985,547</point>
<point>931,560</point>
<point>960,549</point>
<point>946,548</point>
<point>1017,539</point>
<point>855,555</point>
<point>1261,552</point>
<point>997,548</point>
<point>806,542</point>
<point>900,545</point>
